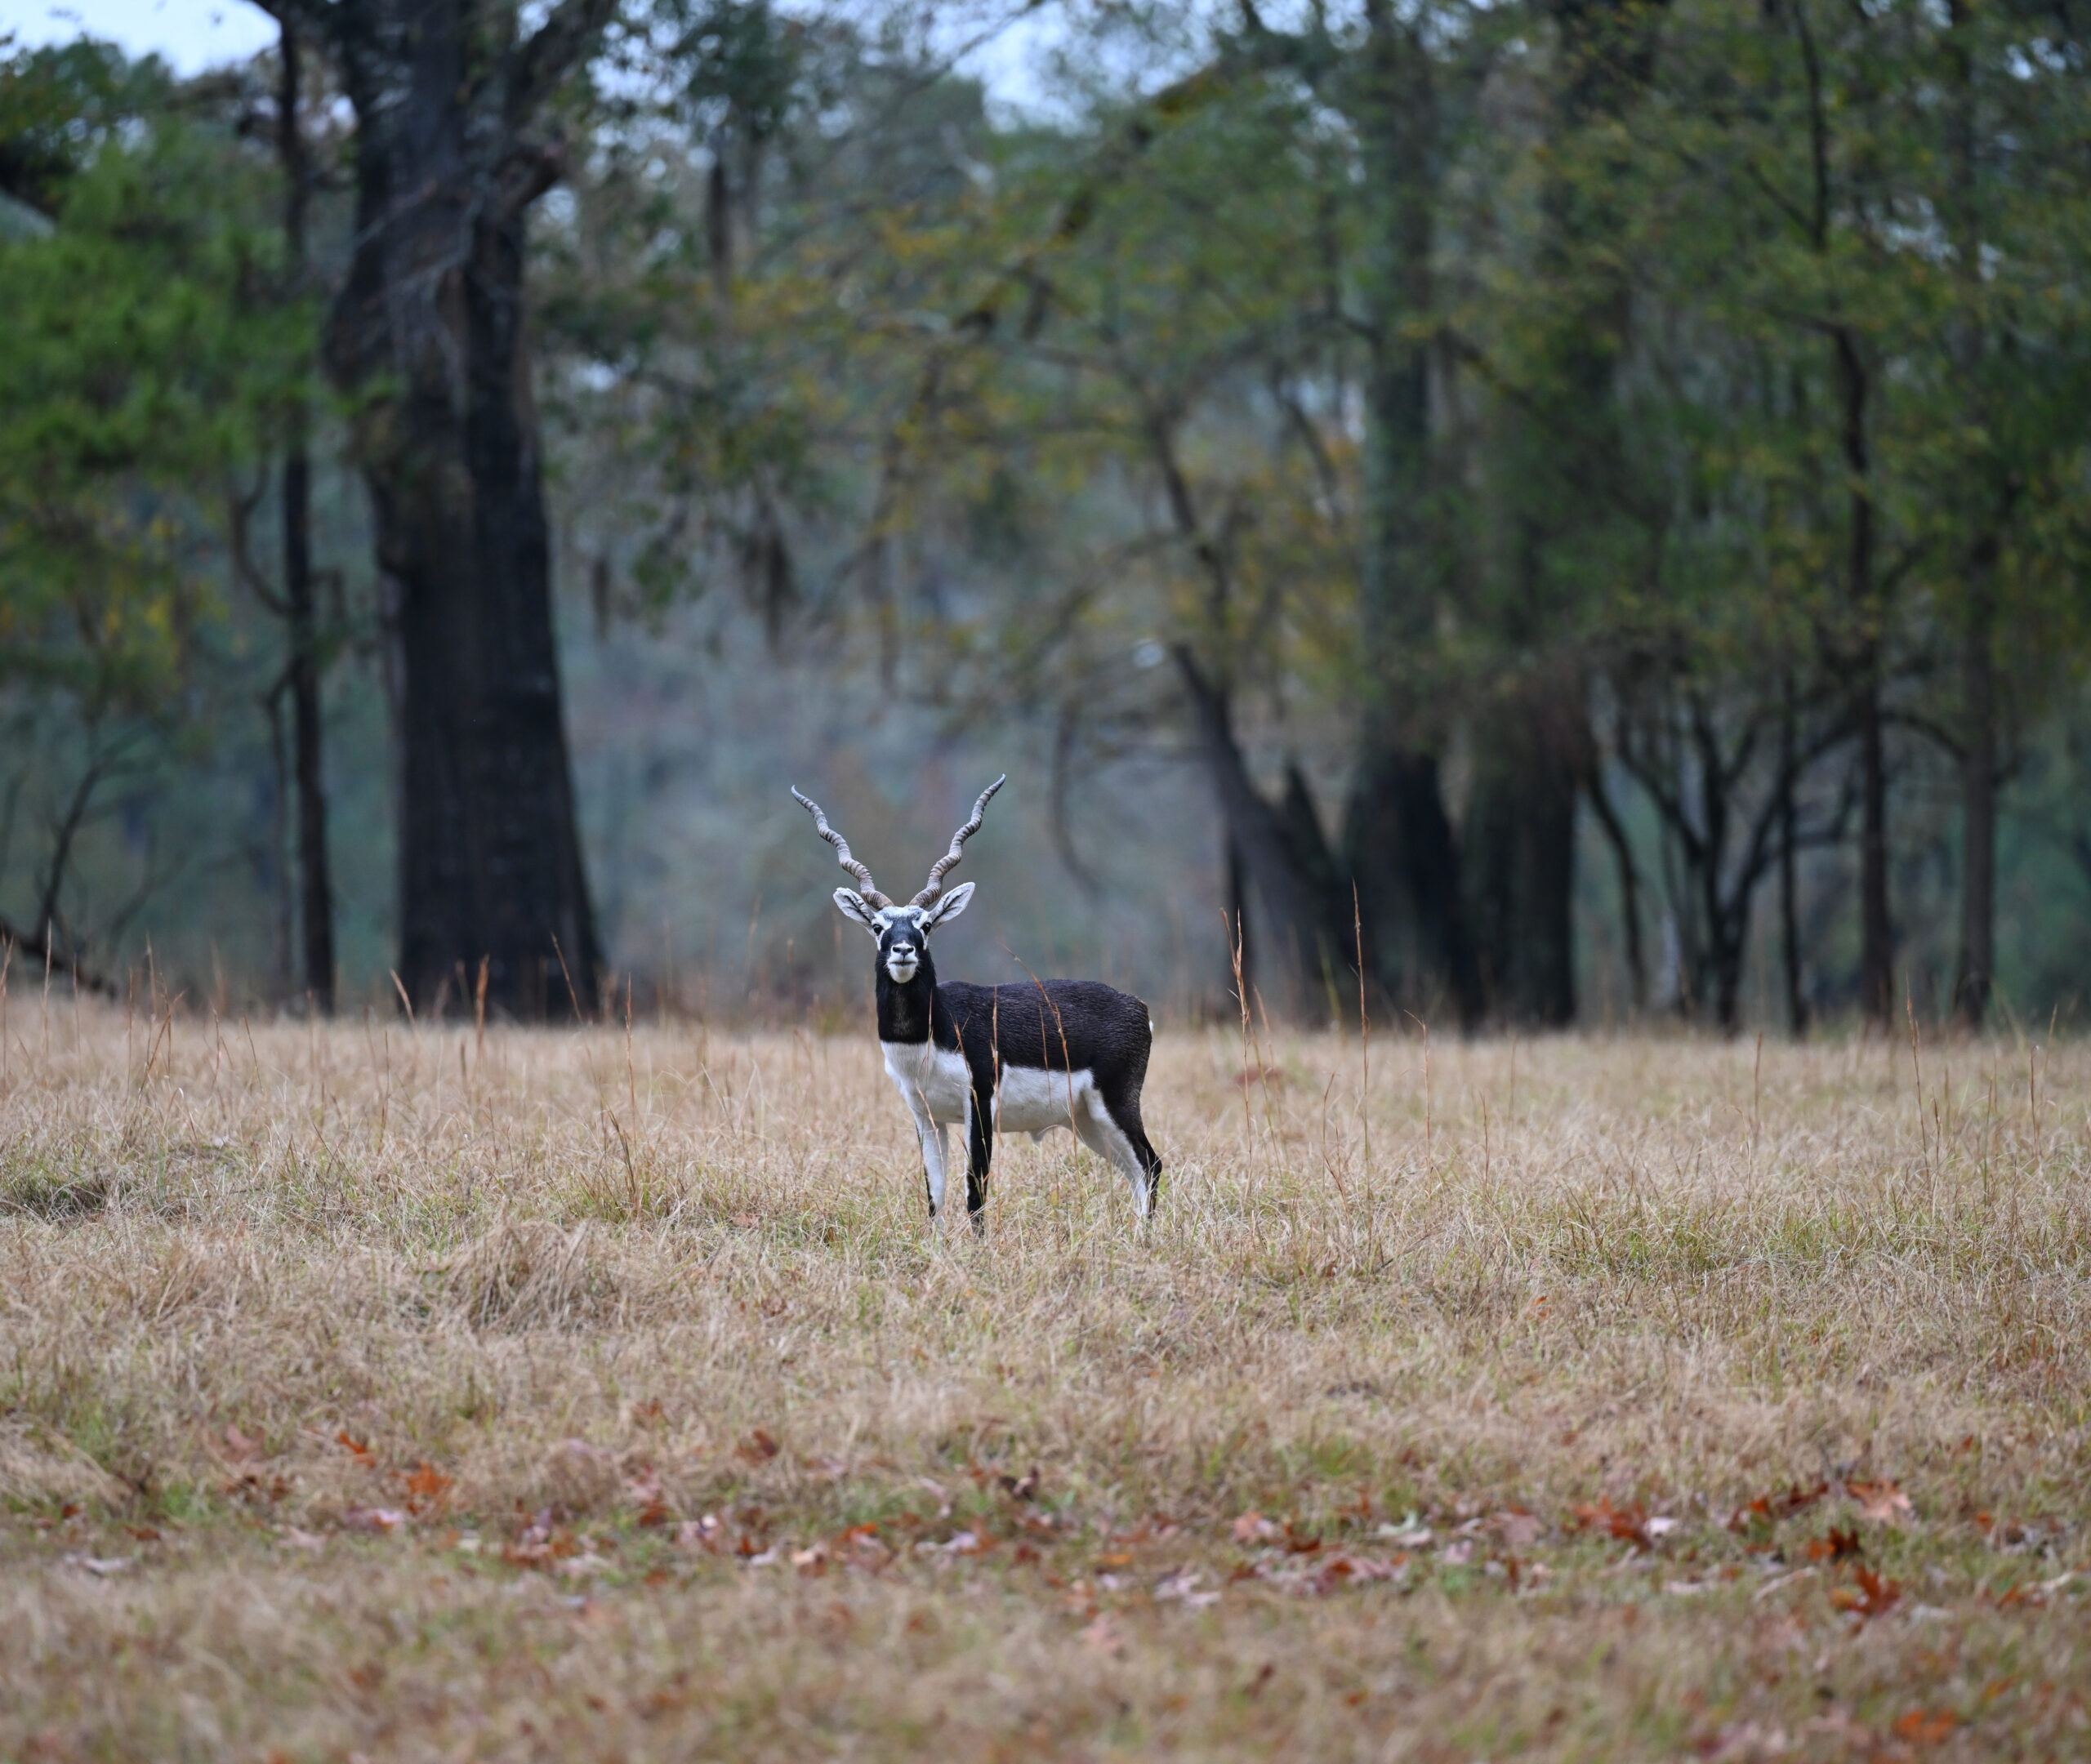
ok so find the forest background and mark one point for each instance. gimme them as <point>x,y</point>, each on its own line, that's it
<point>1578,507</point>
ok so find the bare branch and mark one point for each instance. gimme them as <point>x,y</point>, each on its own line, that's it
<point>545,58</point>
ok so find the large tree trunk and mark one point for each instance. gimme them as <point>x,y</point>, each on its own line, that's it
<point>1531,756</point>
<point>1561,470</point>
<point>1399,836</point>
<point>1285,863</point>
<point>315,899</point>
<point>430,330</point>
<point>1399,839</point>
<point>1629,885</point>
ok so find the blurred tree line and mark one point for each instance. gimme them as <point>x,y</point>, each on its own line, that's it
<point>1476,443</point>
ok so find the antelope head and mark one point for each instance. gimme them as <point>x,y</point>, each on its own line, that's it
<point>901,932</point>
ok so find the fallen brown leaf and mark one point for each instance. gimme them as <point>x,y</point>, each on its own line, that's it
<point>1102,1635</point>
<point>1630,1524</point>
<point>427,1486</point>
<point>1836,1546</point>
<point>1883,1502</point>
<point>1926,1726</point>
<point>1869,1596</point>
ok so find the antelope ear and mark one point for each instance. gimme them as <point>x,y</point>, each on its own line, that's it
<point>852,905</point>
<point>948,906</point>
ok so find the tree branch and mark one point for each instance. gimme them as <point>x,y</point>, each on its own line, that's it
<point>543,59</point>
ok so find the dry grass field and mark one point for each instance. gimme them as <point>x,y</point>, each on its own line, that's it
<point>368,1392</point>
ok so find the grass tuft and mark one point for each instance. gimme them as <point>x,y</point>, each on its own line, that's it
<point>48,1194</point>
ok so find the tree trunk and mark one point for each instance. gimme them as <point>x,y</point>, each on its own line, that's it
<point>1729,944</point>
<point>314,898</point>
<point>315,901</point>
<point>1876,927</point>
<point>1629,886</point>
<point>1415,922</point>
<point>1796,1011</point>
<point>429,330</point>
<point>1399,840</point>
<point>1876,930</point>
<point>1977,968</point>
<point>1532,743</point>
<point>1520,850</point>
<point>1298,935</point>
<point>1240,954</point>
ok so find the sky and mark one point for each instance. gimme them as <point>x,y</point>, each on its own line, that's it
<point>189,34</point>
<point>1006,44</point>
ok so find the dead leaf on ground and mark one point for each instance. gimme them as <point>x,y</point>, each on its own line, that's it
<point>1884,1502</point>
<point>1768,1509</point>
<point>377,1521</point>
<point>1102,1636</point>
<point>1926,1726</point>
<point>1629,1524</point>
<point>254,1486</point>
<point>643,1489</point>
<point>1869,1596</point>
<point>1838,1546</point>
<point>545,1542</point>
<point>1341,1571</point>
<point>1253,1528</point>
<point>427,1486</point>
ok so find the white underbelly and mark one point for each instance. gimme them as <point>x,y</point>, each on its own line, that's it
<point>1035,1101</point>
<point>934,1081</point>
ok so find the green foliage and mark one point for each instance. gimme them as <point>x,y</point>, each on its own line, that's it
<point>148,351</point>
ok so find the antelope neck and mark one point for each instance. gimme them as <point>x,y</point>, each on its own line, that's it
<point>907,1009</point>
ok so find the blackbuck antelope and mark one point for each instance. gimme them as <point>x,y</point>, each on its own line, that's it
<point>1025,1057</point>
